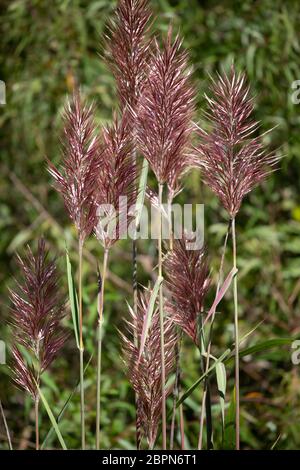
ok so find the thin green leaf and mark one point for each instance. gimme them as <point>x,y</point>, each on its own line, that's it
<point>148,316</point>
<point>52,419</point>
<point>261,347</point>
<point>221,293</point>
<point>203,376</point>
<point>221,381</point>
<point>228,355</point>
<point>73,299</point>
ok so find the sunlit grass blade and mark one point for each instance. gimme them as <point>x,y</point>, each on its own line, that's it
<point>221,381</point>
<point>148,317</point>
<point>220,294</point>
<point>73,299</point>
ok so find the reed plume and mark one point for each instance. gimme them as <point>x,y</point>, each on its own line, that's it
<point>232,157</point>
<point>144,367</point>
<point>76,181</point>
<point>127,49</point>
<point>187,283</point>
<point>163,131</point>
<point>115,194</point>
<point>116,180</point>
<point>233,160</point>
<point>128,46</point>
<point>165,111</point>
<point>36,315</point>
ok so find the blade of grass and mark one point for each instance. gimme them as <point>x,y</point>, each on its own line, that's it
<point>64,408</point>
<point>148,318</point>
<point>73,298</point>
<point>52,419</point>
<point>221,382</point>
<point>220,294</point>
<point>228,356</point>
<point>203,376</point>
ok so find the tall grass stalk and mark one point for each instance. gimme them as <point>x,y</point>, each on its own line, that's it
<point>99,339</point>
<point>176,391</point>
<point>81,346</point>
<point>220,277</point>
<point>161,320</point>
<point>6,427</point>
<point>236,339</point>
<point>36,416</point>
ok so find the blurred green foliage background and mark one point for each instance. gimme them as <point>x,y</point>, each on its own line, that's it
<point>47,47</point>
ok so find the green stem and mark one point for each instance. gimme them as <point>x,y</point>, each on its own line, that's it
<point>236,339</point>
<point>37,429</point>
<point>99,338</point>
<point>161,321</point>
<point>6,427</point>
<point>176,391</point>
<point>81,347</point>
<point>220,275</point>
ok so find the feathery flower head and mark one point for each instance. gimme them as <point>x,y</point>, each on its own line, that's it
<point>164,113</point>
<point>76,182</point>
<point>187,282</point>
<point>116,182</point>
<point>232,158</point>
<point>145,372</point>
<point>37,311</point>
<point>128,48</point>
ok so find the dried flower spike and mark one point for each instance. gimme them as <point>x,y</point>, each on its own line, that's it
<point>187,282</point>
<point>77,180</point>
<point>116,183</point>
<point>128,48</point>
<point>145,372</point>
<point>164,113</point>
<point>232,158</point>
<point>38,309</point>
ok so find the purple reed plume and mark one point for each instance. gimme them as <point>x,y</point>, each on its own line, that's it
<point>128,48</point>
<point>116,183</point>
<point>144,371</point>
<point>77,179</point>
<point>37,312</point>
<point>164,113</point>
<point>232,157</point>
<point>187,282</point>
